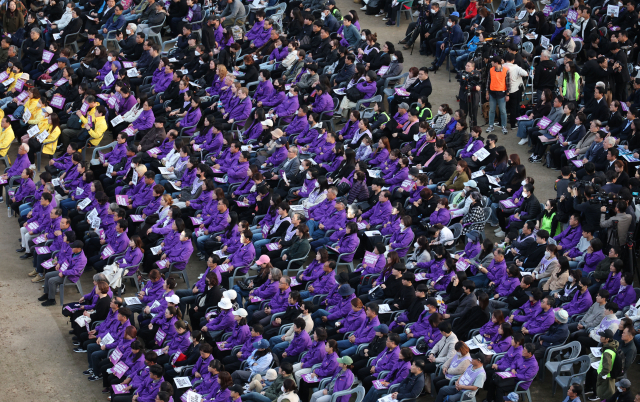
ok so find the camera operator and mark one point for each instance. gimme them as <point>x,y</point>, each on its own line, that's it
<point>470,91</point>
<point>430,21</point>
<point>516,89</point>
<point>585,203</point>
<point>622,219</point>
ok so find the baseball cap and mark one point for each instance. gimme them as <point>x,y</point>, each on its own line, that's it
<point>513,397</point>
<point>241,312</point>
<point>624,383</point>
<point>261,344</point>
<point>175,299</point>
<point>403,105</point>
<point>470,183</point>
<point>345,359</point>
<point>382,328</point>
<point>607,333</point>
<point>264,259</point>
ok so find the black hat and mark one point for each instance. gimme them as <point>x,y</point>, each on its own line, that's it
<point>161,119</point>
<point>80,244</point>
<point>607,333</point>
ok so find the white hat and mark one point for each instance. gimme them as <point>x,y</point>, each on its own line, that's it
<point>230,294</point>
<point>241,312</point>
<point>225,303</point>
<point>268,122</point>
<point>173,299</point>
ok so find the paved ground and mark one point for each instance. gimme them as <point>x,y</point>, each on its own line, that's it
<point>39,363</point>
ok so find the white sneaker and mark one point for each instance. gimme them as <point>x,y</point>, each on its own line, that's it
<point>385,18</point>
<point>498,229</point>
<point>523,141</point>
<point>363,8</point>
<point>489,129</point>
<point>416,14</point>
<point>500,234</point>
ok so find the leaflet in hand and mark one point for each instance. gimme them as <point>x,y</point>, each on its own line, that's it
<point>182,382</point>
<point>597,352</point>
<point>523,117</point>
<point>119,388</point>
<point>40,239</point>
<point>387,398</point>
<point>384,308</point>
<point>162,264</point>
<point>57,101</point>
<point>613,10</point>
<point>339,91</point>
<point>379,385</point>
<point>33,226</point>
<point>33,131</point>
<point>555,129</point>
<point>370,258</point>
<point>506,374</point>
<point>132,72</point>
<point>106,340</point>
<point>122,200</point>
<point>153,151</point>
<point>570,153</point>
<point>43,250</point>
<point>577,163</point>
<point>160,335</point>
<point>129,131</point>
<point>130,301</point>
<point>462,265</point>
<point>477,174</point>
<point>543,123</point>
<point>401,92</point>
<point>191,396</point>
<point>481,154</point>
<point>544,42</point>
<point>507,204</point>
<point>383,70</point>
<point>116,120</point>
<point>421,276</point>
<point>572,16</point>
<point>310,378</point>
<point>273,246</point>
<point>48,264</point>
<point>137,218</point>
<point>371,233</point>
<point>156,250</point>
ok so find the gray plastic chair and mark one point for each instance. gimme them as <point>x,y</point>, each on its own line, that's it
<point>182,273</point>
<point>67,282</point>
<point>575,376</point>
<point>549,359</point>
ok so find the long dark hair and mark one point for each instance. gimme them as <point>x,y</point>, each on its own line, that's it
<point>232,224</point>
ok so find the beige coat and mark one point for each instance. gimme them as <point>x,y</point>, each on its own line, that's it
<point>444,349</point>
<point>556,282</point>
<point>288,336</point>
<point>457,370</point>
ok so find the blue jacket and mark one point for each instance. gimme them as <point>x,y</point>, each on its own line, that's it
<point>507,8</point>
<point>556,335</point>
<point>118,24</point>
<point>453,36</point>
<point>559,5</point>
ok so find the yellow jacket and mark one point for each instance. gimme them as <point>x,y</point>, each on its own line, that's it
<point>37,119</point>
<point>16,77</point>
<point>6,138</point>
<point>32,105</point>
<point>92,113</point>
<point>99,127</point>
<point>50,149</point>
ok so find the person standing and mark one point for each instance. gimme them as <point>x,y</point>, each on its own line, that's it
<point>498,89</point>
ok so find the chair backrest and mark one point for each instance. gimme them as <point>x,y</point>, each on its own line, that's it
<point>487,213</point>
<point>358,391</point>
<point>456,228</point>
<point>496,26</point>
<point>528,47</point>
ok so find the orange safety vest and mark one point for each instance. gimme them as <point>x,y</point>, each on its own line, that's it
<point>498,79</point>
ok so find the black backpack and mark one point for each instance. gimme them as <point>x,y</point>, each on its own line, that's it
<point>617,370</point>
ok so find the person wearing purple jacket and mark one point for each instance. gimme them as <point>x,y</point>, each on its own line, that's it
<point>64,162</point>
<point>41,216</point>
<point>179,254</point>
<point>501,341</point>
<point>323,101</point>
<point>348,243</point>
<point>223,322</point>
<point>473,145</point>
<point>626,295</point>
<point>286,110</point>
<point>364,334</point>
<point>241,332</point>
<point>190,118</point>
<point>299,123</point>
<point>265,89</point>
<point>508,283</point>
<point>118,242</point>
<point>162,79</point>
<point>300,342</point>
<point>401,240</point>
<point>322,353</point>
<point>582,299</point>
<point>612,283</point>
<point>149,388</point>
<point>71,269</point>
<point>442,214</point>
<point>238,112</point>
<point>525,370</point>
<point>322,284</point>
<point>495,273</point>
<point>351,321</point>
<point>351,127</point>
<point>379,213</point>
<point>569,237</point>
<point>143,123</point>
<point>540,322</point>
<point>341,381</point>
<point>528,310</point>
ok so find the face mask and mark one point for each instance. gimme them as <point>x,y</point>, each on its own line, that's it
<point>439,112</point>
<point>524,195</point>
<point>363,37</point>
<point>309,176</point>
<point>416,137</point>
<point>282,388</point>
<point>547,254</point>
<point>128,32</point>
<point>317,185</point>
<point>415,244</point>
<point>478,302</point>
<point>197,53</point>
<point>570,279</point>
<point>110,58</point>
<point>301,168</point>
<point>394,58</point>
<point>323,17</point>
<point>449,23</point>
<point>201,62</point>
<point>260,78</point>
<point>290,94</point>
<point>401,226</point>
<point>619,389</point>
<point>523,182</point>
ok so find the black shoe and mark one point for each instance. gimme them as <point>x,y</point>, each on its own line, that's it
<point>26,255</point>
<point>95,378</point>
<point>433,68</point>
<point>50,302</point>
<point>43,297</point>
<point>402,42</point>
<point>21,250</point>
<point>75,343</point>
<point>74,338</point>
<point>390,23</point>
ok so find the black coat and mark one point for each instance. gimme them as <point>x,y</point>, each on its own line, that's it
<point>404,298</point>
<point>475,317</point>
<point>444,171</point>
<point>597,110</point>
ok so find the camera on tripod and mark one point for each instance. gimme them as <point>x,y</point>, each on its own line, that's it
<point>607,200</point>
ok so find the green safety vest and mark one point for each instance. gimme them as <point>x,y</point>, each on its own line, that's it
<point>336,13</point>
<point>613,357</point>
<point>546,223</point>
<point>576,79</point>
<point>423,115</point>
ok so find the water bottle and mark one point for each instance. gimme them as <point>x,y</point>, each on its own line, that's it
<point>9,212</point>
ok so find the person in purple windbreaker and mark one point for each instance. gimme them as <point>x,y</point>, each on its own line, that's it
<point>73,268</point>
<point>626,295</point>
<point>474,144</point>
<point>264,89</point>
<point>501,341</point>
<point>300,342</point>
<point>238,112</point>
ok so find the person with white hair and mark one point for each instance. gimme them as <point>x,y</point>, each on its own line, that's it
<point>545,74</point>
